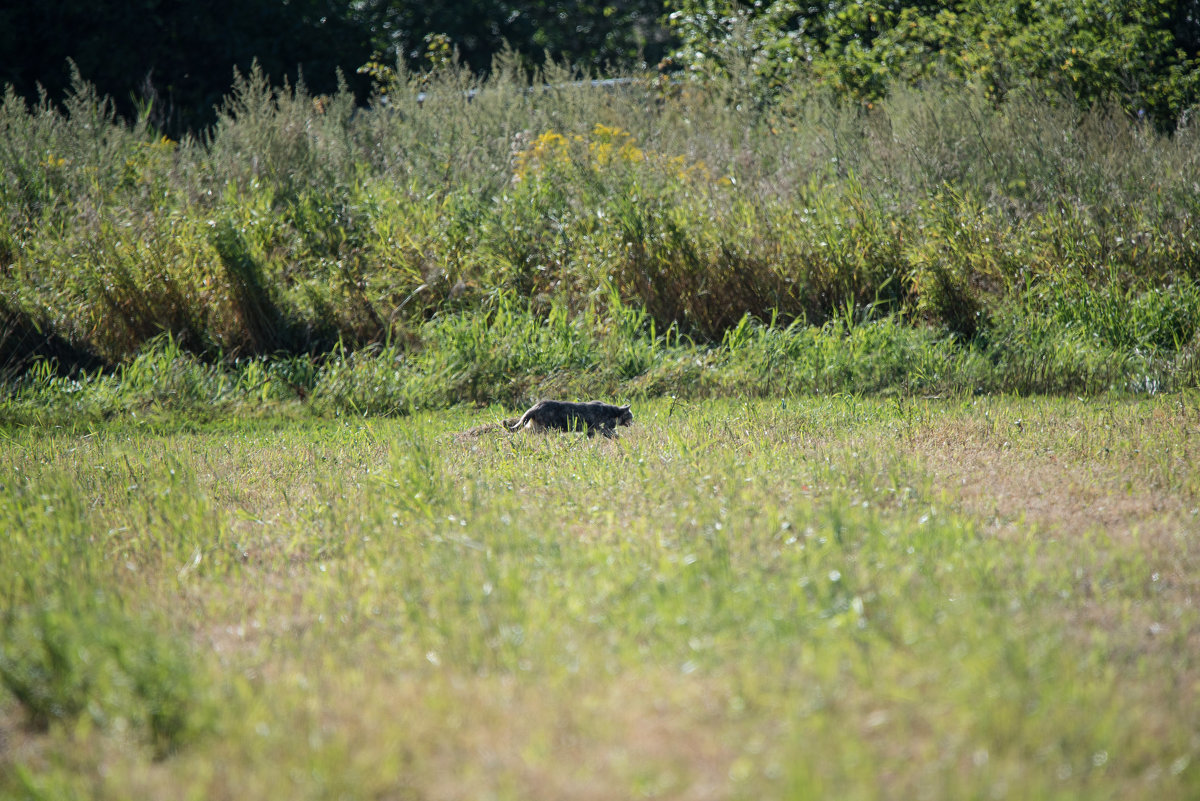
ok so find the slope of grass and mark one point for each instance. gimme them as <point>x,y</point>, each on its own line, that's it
<point>807,598</point>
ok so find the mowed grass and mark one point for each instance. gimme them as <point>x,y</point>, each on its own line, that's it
<point>816,598</point>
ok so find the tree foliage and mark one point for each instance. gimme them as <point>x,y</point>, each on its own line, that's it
<point>592,34</point>
<point>1142,55</point>
<point>175,61</point>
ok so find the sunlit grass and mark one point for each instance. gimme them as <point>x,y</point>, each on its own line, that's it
<point>513,352</point>
<point>806,598</point>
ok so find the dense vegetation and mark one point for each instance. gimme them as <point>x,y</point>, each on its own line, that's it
<point>1141,56</point>
<point>172,62</point>
<point>479,240</point>
<point>859,197</point>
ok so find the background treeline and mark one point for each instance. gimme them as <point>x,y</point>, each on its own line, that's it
<point>174,61</point>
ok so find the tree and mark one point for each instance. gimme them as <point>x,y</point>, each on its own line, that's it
<point>178,58</point>
<point>1140,54</point>
<point>594,34</point>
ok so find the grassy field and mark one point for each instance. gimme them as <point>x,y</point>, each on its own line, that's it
<point>959,597</point>
<point>257,539</point>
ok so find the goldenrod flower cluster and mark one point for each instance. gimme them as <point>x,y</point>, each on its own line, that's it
<point>605,147</point>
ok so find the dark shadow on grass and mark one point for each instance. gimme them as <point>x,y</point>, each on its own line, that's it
<point>23,342</point>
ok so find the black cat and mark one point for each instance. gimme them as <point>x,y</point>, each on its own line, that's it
<point>593,416</point>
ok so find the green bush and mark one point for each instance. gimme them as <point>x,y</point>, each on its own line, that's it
<point>1141,55</point>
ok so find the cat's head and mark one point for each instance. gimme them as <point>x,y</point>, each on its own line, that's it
<point>624,416</point>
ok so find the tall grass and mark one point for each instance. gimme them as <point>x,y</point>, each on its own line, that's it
<point>301,224</point>
<point>514,351</point>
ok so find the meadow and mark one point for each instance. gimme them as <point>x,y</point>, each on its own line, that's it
<point>801,597</point>
<point>909,509</point>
